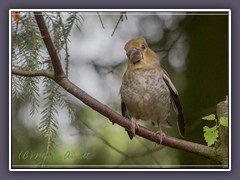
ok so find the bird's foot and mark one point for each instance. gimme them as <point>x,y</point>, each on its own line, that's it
<point>134,125</point>
<point>161,135</point>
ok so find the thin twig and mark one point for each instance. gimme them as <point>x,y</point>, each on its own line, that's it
<point>33,36</point>
<point>167,50</point>
<point>100,20</point>
<point>149,151</point>
<point>49,138</point>
<point>120,18</point>
<point>99,136</point>
<point>127,156</point>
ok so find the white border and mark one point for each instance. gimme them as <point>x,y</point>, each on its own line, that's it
<point>127,10</point>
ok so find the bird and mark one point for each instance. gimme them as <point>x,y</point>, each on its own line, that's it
<point>147,92</point>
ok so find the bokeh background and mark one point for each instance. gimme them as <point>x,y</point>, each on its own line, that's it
<point>192,47</point>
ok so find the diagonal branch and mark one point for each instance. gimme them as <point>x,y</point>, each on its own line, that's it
<point>100,20</point>
<point>120,19</point>
<point>49,44</point>
<point>180,33</point>
<point>114,117</point>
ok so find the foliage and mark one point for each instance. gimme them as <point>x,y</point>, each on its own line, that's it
<point>29,53</point>
<point>224,121</point>
<point>211,134</point>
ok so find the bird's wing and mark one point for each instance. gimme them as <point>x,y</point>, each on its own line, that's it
<point>176,101</point>
<point>127,115</point>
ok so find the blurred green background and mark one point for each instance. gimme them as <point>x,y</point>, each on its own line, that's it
<point>197,64</point>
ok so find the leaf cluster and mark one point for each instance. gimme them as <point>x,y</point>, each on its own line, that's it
<point>29,53</point>
<point>211,134</point>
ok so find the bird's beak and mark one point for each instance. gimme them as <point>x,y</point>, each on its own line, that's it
<point>134,55</point>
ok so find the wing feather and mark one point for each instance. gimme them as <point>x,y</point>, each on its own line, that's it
<point>126,114</point>
<point>176,101</point>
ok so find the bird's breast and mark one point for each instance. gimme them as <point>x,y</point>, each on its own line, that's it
<point>146,95</point>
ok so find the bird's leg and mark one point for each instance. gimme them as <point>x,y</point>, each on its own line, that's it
<point>134,125</point>
<point>160,133</point>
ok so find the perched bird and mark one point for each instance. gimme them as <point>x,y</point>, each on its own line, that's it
<point>147,92</point>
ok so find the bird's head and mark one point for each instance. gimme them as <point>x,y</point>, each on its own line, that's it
<point>139,54</point>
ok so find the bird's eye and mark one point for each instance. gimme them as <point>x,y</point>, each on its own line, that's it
<point>143,47</point>
<point>128,55</point>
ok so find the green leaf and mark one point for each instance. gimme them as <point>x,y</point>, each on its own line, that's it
<point>210,135</point>
<point>224,121</point>
<point>40,40</point>
<point>35,62</point>
<point>210,117</point>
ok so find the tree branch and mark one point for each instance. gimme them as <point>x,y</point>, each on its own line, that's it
<point>181,31</point>
<point>100,20</point>
<point>49,44</point>
<point>35,73</point>
<point>114,117</point>
<point>222,111</point>
<point>120,18</point>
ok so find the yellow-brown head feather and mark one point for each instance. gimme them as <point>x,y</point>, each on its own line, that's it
<point>135,43</point>
<point>140,55</point>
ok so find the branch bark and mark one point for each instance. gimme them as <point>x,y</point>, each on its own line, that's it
<point>222,111</point>
<point>59,77</point>
<point>35,73</point>
<point>58,71</point>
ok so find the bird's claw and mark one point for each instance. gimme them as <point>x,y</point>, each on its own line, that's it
<point>161,135</point>
<point>134,125</point>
